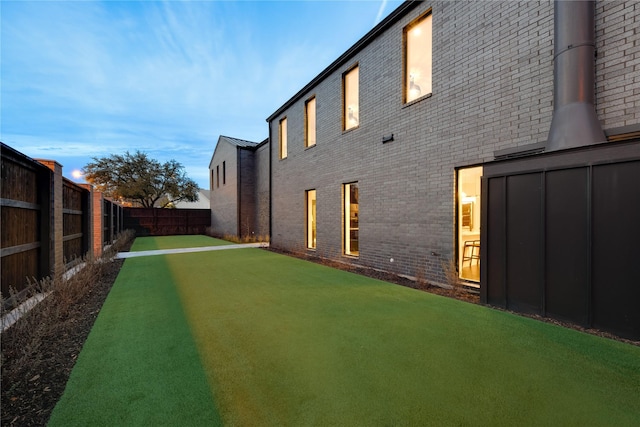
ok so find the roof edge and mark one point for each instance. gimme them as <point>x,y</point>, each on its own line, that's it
<point>393,17</point>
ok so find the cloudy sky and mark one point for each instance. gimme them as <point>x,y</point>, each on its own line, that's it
<point>83,79</point>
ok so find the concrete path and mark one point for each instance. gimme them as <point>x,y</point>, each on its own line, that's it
<point>122,255</point>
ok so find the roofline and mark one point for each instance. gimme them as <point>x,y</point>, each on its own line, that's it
<point>390,20</point>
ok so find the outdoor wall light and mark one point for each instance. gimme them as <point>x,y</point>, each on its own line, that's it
<point>387,138</point>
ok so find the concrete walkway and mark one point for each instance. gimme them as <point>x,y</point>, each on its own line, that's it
<point>122,255</point>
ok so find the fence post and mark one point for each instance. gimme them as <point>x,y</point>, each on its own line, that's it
<point>98,218</point>
<point>56,247</point>
<point>87,222</point>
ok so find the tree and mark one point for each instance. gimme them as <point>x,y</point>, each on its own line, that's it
<point>137,178</point>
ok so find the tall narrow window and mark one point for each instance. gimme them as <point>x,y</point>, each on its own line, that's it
<point>351,102</point>
<point>218,175</point>
<point>311,219</point>
<point>213,179</point>
<point>283,138</point>
<point>417,47</point>
<point>469,223</point>
<point>310,122</point>
<point>351,219</point>
<point>224,173</point>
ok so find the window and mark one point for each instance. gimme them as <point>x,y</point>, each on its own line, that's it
<point>283,138</point>
<point>310,122</point>
<point>213,179</point>
<point>224,173</point>
<point>351,219</point>
<point>469,223</point>
<point>218,175</point>
<point>311,219</point>
<point>417,53</point>
<point>351,110</point>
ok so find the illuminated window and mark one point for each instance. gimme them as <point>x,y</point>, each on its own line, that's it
<point>311,219</point>
<point>351,110</point>
<point>469,183</point>
<point>417,47</point>
<point>351,219</point>
<point>310,122</point>
<point>283,138</point>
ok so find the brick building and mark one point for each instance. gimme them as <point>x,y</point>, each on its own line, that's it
<point>239,180</point>
<point>381,159</point>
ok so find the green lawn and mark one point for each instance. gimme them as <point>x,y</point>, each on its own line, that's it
<point>251,337</point>
<point>175,242</point>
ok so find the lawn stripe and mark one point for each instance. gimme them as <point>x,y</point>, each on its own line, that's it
<point>288,342</point>
<point>175,242</point>
<point>139,365</point>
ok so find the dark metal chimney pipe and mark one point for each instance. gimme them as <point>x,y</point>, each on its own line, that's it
<point>574,122</point>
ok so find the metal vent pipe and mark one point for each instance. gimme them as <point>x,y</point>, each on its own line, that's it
<point>574,122</point>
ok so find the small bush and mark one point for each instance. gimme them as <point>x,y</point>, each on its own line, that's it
<point>247,238</point>
<point>451,275</point>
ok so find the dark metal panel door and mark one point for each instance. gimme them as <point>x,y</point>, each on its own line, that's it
<point>524,243</point>
<point>495,249</point>
<point>616,248</point>
<point>567,244</point>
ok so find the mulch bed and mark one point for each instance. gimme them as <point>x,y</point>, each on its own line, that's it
<point>29,400</point>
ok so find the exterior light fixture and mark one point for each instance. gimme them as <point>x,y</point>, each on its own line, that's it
<point>387,138</point>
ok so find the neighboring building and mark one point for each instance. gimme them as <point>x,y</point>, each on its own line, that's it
<point>202,203</point>
<point>382,159</point>
<point>239,195</point>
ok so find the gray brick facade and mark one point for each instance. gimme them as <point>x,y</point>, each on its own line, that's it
<point>492,90</point>
<point>239,188</point>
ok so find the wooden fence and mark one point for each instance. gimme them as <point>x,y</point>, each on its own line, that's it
<point>166,222</point>
<point>48,222</point>
<point>25,206</point>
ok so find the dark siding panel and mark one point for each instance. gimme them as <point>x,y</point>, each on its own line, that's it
<point>616,247</point>
<point>495,243</point>
<point>567,244</point>
<point>524,242</point>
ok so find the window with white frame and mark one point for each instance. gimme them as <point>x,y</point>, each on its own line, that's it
<point>310,122</point>
<point>351,110</point>
<point>283,138</point>
<point>417,54</point>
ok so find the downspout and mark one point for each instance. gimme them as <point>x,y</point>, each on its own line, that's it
<point>574,123</point>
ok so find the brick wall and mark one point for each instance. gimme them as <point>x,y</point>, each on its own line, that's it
<point>618,63</point>
<point>261,172</point>
<point>224,197</point>
<point>247,214</point>
<point>492,89</point>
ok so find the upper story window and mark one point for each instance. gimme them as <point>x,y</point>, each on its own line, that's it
<point>310,122</point>
<point>351,103</point>
<point>224,172</point>
<point>283,138</point>
<point>417,53</point>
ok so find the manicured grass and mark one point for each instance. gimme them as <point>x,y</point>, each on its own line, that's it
<point>139,366</point>
<point>175,242</point>
<point>285,342</point>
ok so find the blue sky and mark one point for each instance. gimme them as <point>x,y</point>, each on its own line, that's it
<point>83,79</point>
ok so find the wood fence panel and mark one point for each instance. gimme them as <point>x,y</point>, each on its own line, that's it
<point>166,222</point>
<point>74,221</point>
<point>24,232</point>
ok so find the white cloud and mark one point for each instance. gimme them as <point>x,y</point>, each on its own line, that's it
<point>85,79</point>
